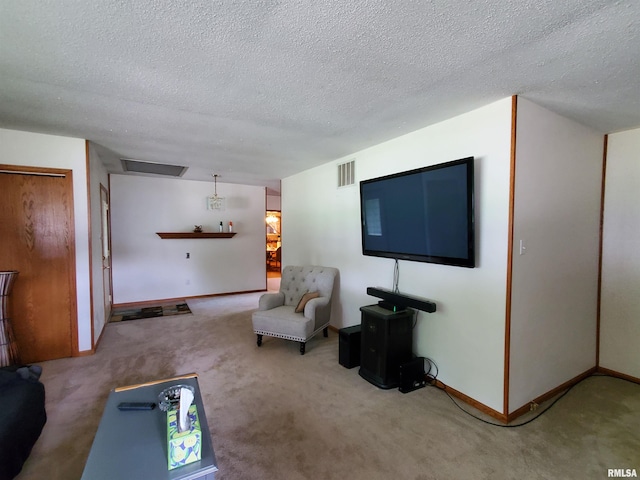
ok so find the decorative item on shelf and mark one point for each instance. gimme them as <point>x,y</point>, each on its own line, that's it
<point>197,229</point>
<point>230,227</point>
<point>215,202</point>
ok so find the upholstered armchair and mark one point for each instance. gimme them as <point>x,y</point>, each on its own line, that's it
<point>300,309</point>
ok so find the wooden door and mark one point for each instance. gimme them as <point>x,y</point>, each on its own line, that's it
<point>37,239</point>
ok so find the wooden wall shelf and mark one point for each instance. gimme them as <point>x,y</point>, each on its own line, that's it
<point>175,235</point>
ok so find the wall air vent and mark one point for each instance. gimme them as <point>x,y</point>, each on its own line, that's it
<point>139,166</point>
<point>347,173</point>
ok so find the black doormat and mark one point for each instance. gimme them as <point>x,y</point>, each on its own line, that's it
<point>149,312</point>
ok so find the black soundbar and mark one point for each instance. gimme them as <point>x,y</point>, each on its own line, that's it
<point>402,300</point>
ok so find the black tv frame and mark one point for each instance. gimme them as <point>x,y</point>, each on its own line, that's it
<point>468,262</point>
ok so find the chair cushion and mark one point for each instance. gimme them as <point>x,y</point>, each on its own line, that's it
<point>282,322</point>
<point>303,301</point>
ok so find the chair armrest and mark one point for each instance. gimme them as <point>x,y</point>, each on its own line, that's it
<point>319,310</point>
<point>270,300</point>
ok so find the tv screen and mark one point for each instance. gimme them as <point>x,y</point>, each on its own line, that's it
<point>423,215</point>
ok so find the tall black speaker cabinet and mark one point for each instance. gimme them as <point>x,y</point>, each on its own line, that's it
<point>386,343</point>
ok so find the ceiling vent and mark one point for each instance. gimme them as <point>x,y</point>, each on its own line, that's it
<point>154,168</point>
<point>347,173</point>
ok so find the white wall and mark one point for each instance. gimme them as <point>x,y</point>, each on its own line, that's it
<point>273,202</point>
<point>146,267</point>
<point>39,150</point>
<point>98,176</point>
<point>321,225</point>
<point>555,283</point>
<point>620,301</point>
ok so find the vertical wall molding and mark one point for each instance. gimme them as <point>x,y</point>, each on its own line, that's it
<point>90,248</point>
<point>601,246</point>
<point>507,317</point>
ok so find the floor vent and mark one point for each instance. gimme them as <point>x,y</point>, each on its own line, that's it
<point>347,173</point>
<point>150,167</point>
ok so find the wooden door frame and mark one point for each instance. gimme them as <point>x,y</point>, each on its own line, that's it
<point>67,174</point>
<point>108,304</point>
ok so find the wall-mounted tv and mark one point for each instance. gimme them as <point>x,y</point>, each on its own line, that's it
<point>423,215</point>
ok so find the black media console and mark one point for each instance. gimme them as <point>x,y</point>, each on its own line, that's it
<point>387,335</point>
<point>387,339</point>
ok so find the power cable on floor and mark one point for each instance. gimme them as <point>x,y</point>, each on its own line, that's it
<point>432,382</point>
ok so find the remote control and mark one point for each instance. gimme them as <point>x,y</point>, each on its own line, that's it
<point>136,406</point>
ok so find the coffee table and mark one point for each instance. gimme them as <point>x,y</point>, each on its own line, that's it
<point>133,444</point>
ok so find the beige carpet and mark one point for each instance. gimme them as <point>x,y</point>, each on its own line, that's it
<point>275,414</point>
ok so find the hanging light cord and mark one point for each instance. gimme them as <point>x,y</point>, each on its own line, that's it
<point>396,276</point>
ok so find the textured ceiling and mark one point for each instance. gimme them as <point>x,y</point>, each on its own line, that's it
<point>259,90</point>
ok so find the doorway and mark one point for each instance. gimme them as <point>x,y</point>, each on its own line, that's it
<point>106,251</point>
<point>274,245</point>
<point>38,240</point>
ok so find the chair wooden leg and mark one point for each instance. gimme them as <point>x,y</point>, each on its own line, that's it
<point>325,332</point>
<point>302,347</point>
<point>259,342</point>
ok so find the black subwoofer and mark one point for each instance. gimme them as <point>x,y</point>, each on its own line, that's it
<point>349,346</point>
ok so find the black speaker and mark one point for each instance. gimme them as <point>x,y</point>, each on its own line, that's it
<point>349,346</point>
<point>412,375</point>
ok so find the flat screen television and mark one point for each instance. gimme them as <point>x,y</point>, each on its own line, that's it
<point>422,215</point>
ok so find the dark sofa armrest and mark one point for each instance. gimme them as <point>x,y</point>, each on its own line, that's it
<point>22,418</point>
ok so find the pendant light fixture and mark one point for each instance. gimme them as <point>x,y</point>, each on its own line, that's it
<point>215,202</point>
